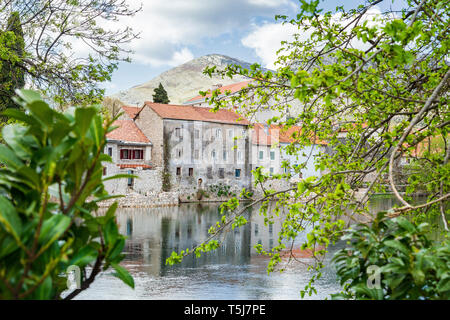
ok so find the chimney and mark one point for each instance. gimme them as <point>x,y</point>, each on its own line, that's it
<point>216,86</point>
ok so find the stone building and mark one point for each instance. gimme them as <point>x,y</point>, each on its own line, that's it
<point>197,148</point>
<point>131,152</point>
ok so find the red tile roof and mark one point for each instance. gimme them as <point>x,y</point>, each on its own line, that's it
<point>131,111</point>
<point>286,134</point>
<point>125,166</point>
<point>276,134</point>
<point>260,137</point>
<point>170,111</point>
<point>235,87</point>
<point>127,131</point>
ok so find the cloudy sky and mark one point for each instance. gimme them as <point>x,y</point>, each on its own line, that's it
<point>175,31</point>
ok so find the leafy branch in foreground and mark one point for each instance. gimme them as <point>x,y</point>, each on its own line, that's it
<point>50,183</point>
<point>409,265</point>
<point>374,88</point>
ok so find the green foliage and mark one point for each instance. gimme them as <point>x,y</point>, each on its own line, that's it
<point>12,75</point>
<point>50,184</point>
<point>37,43</point>
<point>160,95</point>
<point>220,189</point>
<point>411,266</point>
<point>371,88</point>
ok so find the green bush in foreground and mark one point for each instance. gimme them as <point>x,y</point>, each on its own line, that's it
<point>50,183</point>
<point>393,259</point>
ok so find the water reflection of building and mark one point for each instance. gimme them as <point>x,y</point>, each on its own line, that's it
<point>154,233</point>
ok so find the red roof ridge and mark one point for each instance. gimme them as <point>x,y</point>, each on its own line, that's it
<point>127,131</point>
<point>187,112</point>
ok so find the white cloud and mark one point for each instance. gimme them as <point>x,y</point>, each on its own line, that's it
<point>168,28</point>
<point>266,39</point>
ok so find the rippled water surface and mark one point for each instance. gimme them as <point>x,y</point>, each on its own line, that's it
<point>235,271</point>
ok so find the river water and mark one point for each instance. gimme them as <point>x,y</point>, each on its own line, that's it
<point>234,271</point>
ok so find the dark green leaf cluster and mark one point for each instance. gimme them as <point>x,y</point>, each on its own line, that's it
<point>409,265</point>
<point>50,184</point>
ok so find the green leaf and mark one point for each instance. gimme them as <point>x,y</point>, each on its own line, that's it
<point>123,275</point>
<point>9,217</point>
<point>397,245</point>
<point>29,96</point>
<point>53,228</point>
<point>84,256</point>
<point>83,118</point>
<point>9,158</point>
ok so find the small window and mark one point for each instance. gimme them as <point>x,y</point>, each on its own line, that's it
<point>130,180</point>
<point>230,133</point>
<point>213,154</point>
<point>104,171</point>
<point>261,155</point>
<point>239,155</point>
<point>191,172</point>
<point>179,153</point>
<point>237,173</point>
<point>178,171</point>
<point>196,154</point>
<point>221,173</point>
<point>110,152</point>
<point>138,154</point>
<point>225,155</point>
<point>218,133</point>
<point>272,155</point>
<point>271,171</point>
<point>197,134</point>
<point>178,132</point>
<point>125,154</point>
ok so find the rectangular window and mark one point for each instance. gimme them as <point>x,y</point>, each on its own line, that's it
<point>138,154</point>
<point>191,172</point>
<point>225,155</point>
<point>271,171</point>
<point>179,153</point>
<point>197,134</point>
<point>104,171</point>
<point>221,173</point>
<point>196,154</point>
<point>110,152</point>
<point>131,154</point>
<point>209,172</point>
<point>125,154</point>
<point>218,133</point>
<point>272,155</point>
<point>261,155</point>
<point>178,132</point>
<point>239,155</point>
<point>130,180</point>
<point>213,154</point>
<point>178,171</point>
<point>230,133</point>
<point>237,173</point>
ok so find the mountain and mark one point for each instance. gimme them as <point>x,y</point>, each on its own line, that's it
<point>182,82</point>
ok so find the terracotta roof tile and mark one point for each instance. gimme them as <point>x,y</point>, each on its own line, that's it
<point>127,131</point>
<point>260,137</point>
<point>131,111</point>
<point>170,111</point>
<point>235,87</point>
<point>125,166</point>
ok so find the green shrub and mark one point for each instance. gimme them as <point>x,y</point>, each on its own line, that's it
<point>50,183</point>
<point>408,264</point>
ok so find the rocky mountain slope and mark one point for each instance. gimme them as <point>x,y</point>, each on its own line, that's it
<point>182,82</point>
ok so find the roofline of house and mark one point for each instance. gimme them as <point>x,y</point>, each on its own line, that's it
<point>130,142</point>
<point>221,122</point>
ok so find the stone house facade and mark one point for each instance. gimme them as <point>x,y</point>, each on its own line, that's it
<point>131,152</point>
<point>197,148</point>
